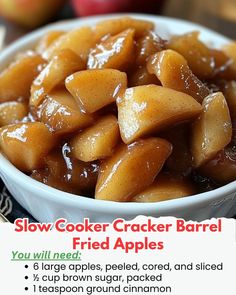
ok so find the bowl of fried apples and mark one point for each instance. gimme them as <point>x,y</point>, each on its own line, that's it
<point>117,116</point>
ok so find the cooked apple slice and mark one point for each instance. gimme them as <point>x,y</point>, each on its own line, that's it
<point>116,52</point>
<point>86,180</point>
<point>131,169</point>
<point>197,54</point>
<point>80,41</point>
<point>229,90</point>
<point>77,175</point>
<point>16,80</point>
<point>64,63</point>
<point>222,168</point>
<point>47,40</point>
<point>230,50</point>
<point>212,131</point>
<point>116,26</point>
<point>94,89</point>
<point>62,114</point>
<point>25,144</point>
<point>144,109</point>
<point>43,176</point>
<point>172,70</point>
<point>97,141</point>
<point>225,67</point>
<point>12,112</point>
<point>165,188</point>
<point>148,45</point>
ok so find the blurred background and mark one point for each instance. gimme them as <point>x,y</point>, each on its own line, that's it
<point>18,17</point>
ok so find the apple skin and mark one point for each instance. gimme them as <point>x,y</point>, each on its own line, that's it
<point>29,13</point>
<point>92,7</point>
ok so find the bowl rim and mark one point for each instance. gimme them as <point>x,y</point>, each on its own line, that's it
<point>129,208</point>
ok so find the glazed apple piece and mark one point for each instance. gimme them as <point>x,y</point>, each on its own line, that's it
<point>197,54</point>
<point>145,109</point>
<point>26,144</point>
<point>79,179</point>
<point>131,169</point>
<point>116,52</point>
<point>94,89</point>
<point>212,131</point>
<point>116,26</point>
<point>47,40</point>
<point>148,45</point>
<point>84,177</point>
<point>16,80</point>
<point>221,60</point>
<point>165,188</point>
<point>222,168</point>
<point>230,50</point>
<point>229,90</point>
<point>61,113</point>
<point>12,112</point>
<point>172,70</point>
<point>80,41</point>
<point>141,77</point>
<point>225,67</point>
<point>97,141</point>
<point>43,176</point>
<point>64,63</point>
<point>77,175</point>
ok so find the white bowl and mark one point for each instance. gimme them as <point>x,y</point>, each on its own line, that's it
<point>47,204</point>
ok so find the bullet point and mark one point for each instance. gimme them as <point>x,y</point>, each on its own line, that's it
<point>26,266</point>
<point>26,288</point>
<point>26,277</point>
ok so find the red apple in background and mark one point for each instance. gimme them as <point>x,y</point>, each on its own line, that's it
<point>29,13</point>
<point>92,7</point>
